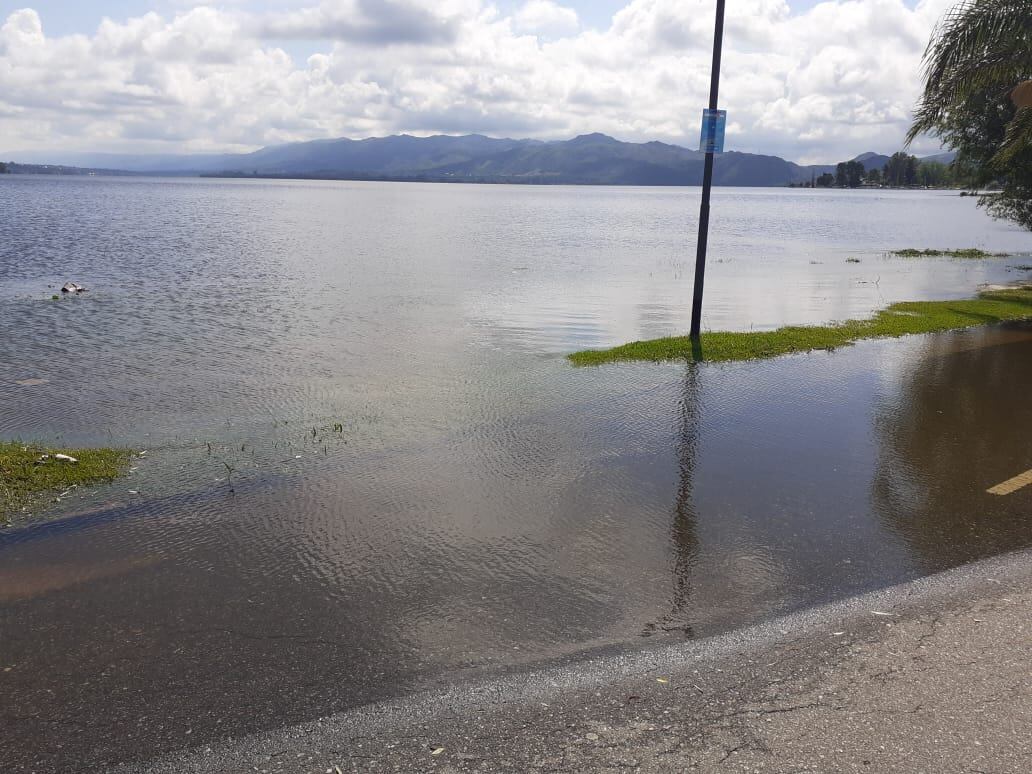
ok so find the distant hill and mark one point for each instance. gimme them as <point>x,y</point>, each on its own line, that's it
<point>590,159</point>
<point>872,160</point>
<point>399,155</point>
<point>941,158</point>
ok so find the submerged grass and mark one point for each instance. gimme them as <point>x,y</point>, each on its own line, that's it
<point>970,252</point>
<point>25,482</point>
<point>899,319</point>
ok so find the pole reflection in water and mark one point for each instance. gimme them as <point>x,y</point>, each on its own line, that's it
<point>684,535</point>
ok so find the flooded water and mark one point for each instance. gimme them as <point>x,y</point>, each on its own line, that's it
<point>369,467</point>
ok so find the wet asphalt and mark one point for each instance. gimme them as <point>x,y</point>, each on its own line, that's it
<point>934,675</point>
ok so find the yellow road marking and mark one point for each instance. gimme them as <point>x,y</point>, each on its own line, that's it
<point>1012,484</point>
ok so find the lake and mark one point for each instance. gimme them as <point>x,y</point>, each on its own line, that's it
<point>370,469</point>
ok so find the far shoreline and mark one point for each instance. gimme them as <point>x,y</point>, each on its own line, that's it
<point>79,173</point>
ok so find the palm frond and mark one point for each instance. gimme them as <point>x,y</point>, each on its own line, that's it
<point>978,46</point>
<point>1018,138</point>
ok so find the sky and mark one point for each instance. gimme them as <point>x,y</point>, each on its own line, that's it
<point>809,81</point>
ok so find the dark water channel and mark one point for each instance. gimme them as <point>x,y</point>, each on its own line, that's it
<point>421,487</point>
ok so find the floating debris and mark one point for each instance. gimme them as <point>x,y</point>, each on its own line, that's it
<point>71,287</point>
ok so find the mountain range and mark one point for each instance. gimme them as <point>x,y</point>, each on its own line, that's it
<point>590,159</point>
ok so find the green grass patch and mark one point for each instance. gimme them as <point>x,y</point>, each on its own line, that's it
<point>970,252</point>
<point>26,481</point>
<point>899,319</point>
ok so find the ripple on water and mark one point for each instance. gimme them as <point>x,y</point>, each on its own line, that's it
<point>482,504</point>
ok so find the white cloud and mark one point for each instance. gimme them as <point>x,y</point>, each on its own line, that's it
<point>370,22</point>
<point>544,17</point>
<point>825,84</point>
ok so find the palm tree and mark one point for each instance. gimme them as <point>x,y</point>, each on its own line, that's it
<point>981,48</point>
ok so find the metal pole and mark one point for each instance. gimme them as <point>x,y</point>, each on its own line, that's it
<point>707,180</point>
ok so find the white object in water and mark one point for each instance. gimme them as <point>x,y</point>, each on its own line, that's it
<point>71,287</point>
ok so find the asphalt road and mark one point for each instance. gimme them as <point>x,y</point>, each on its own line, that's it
<point>929,676</point>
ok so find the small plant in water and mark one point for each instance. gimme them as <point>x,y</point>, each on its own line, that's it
<point>970,252</point>
<point>898,319</point>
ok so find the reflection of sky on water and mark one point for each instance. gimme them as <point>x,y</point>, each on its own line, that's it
<point>776,257</point>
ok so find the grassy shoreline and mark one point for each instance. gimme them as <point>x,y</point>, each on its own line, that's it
<point>899,319</point>
<point>971,253</point>
<point>27,480</point>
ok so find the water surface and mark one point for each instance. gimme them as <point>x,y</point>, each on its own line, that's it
<point>370,468</point>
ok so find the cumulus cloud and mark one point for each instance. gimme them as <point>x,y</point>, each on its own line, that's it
<point>823,84</point>
<point>546,18</point>
<point>368,22</point>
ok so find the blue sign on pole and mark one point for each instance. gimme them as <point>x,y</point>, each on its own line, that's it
<point>713,123</point>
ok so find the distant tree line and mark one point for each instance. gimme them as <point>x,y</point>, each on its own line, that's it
<point>901,171</point>
<point>849,174</point>
<point>13,168</point>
